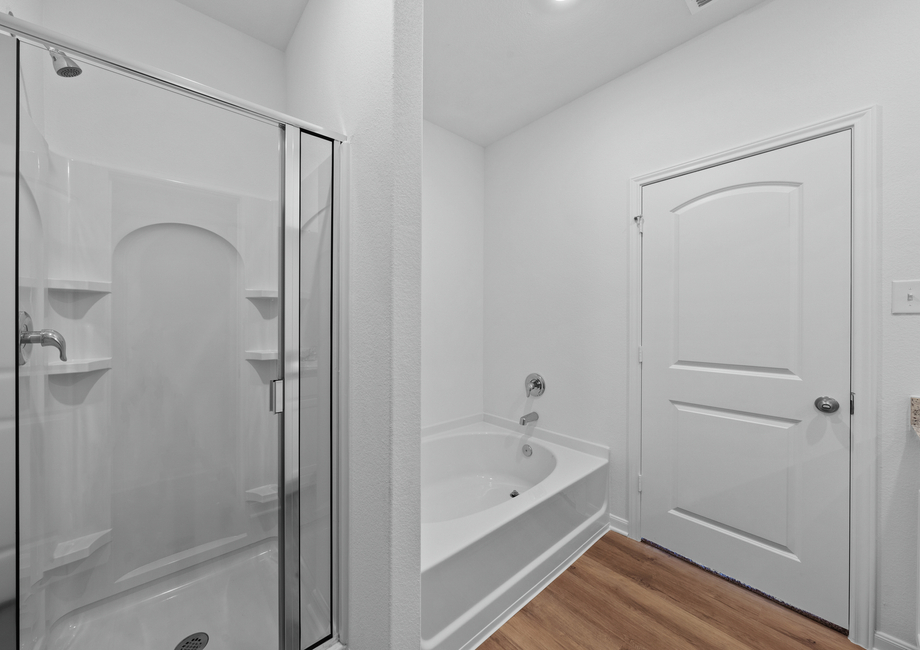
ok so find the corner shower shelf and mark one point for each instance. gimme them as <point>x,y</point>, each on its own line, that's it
<point>262,355</point>
<point>75,366</point>
<point>52,284</point>
<point>87,286</point>
<point>262,294</point>
<point>263,494</point>
<point>74,550</point>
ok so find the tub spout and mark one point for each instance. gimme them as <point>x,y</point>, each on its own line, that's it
<point>45,338</point>
<point>530,417</point>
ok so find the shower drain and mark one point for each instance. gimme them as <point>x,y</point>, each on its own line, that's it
<point>195,641</point>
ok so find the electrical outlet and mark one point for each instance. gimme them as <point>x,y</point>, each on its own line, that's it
<point>905,297</point>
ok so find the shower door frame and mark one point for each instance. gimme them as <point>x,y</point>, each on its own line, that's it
<point>289,324</point>
<point>290,359</point>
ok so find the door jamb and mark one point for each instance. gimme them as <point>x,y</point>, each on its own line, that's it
<point>865,316</point>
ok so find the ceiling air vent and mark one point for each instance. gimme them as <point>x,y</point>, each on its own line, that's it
<point>697,5</point>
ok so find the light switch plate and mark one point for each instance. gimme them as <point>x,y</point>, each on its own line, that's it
<point>905,297</point>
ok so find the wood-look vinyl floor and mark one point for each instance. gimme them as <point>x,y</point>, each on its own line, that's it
<point>623,595</point>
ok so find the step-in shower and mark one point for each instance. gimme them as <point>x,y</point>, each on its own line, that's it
<point>170,261</point>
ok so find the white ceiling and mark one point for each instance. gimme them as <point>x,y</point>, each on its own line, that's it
<point>493,66</point>
<point>270,21</point>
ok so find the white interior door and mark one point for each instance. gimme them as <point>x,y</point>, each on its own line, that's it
<point>745,322</point>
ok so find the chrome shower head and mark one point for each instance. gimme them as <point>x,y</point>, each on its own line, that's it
<point>63,64</point>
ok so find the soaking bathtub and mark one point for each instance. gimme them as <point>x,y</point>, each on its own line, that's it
<point>486,553</point>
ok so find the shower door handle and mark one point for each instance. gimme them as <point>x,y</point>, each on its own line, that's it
<point>276,396</point>
<point>45,338</point>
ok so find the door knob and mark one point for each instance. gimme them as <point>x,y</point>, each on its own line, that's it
<point>43,337</point>
<point>827,404</point>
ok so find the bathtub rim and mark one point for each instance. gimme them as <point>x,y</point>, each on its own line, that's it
<point>444,539</point>
<point>539,448</point>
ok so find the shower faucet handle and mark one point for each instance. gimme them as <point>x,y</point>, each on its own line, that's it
<point>45,338</point>
<point>534,385</point>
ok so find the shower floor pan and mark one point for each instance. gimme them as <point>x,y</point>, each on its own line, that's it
<point>233,599</point>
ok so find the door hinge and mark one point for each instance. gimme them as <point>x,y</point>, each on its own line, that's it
<point>640,354</point>
<point>640,483</point>
<point>276,396</point>
<point>639,222</point>
<point>852,403</point>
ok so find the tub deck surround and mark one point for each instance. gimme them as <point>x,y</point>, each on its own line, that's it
<point>485,553</point>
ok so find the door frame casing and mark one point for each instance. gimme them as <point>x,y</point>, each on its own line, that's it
<point>865,317</point>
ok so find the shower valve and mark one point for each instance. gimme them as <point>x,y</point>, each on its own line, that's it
<point>534,385</point>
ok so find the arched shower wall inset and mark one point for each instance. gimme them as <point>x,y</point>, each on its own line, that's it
<point>180,465</point>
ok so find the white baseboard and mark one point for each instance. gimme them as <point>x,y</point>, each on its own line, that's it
<point>619,525</point>
<point>887,642</point>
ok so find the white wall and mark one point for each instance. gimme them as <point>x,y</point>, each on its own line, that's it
<point>175,38</point>
<point>167,35</point>
<point>30,10</point>
<point>356,67</point>
<point>453,204</point>
<point>557,223</point>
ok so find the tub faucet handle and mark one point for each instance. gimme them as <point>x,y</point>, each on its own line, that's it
<point>534,385</point>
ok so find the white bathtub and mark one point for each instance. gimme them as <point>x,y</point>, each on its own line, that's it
<point>484,553</point>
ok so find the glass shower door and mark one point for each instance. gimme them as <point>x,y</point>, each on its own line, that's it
<point>315,416</point>
<point>148,287</point>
